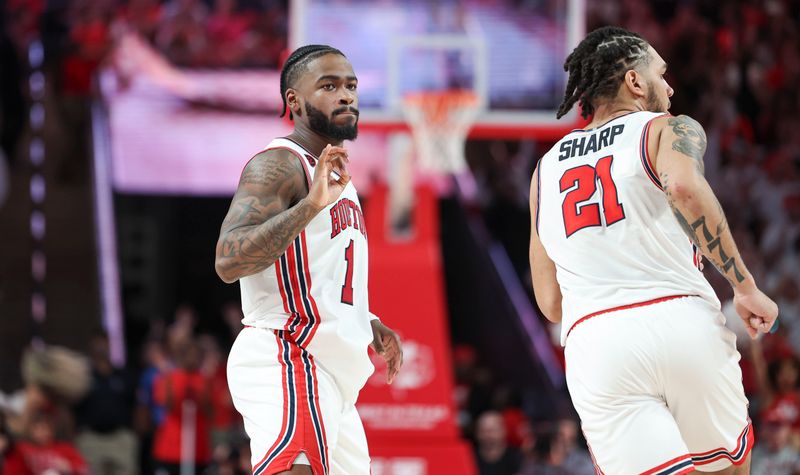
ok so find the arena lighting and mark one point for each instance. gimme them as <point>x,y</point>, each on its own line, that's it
<point>38,189</point>
<point>106,236</point>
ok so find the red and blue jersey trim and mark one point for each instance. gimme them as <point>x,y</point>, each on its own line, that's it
<point>302,429</point>
<point>644,153</point>
<point>289,424</point>
<point>625,307</point>
<point>294,284</point>
<point>737,456</point>
<point>677,466</point>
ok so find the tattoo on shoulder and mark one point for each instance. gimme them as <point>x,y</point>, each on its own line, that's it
<point>267,170</point>
<point>691,139</point>
<point>262,222</point>
<point>279,182</point>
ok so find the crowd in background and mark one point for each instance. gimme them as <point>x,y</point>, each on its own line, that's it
<point>78,37</point>
<point>735,67</point>
<point>130,419</point>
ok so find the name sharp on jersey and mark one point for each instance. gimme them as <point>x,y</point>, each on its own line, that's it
<point>588,144</point>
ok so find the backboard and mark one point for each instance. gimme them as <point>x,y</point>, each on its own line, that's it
<point>509,52</point>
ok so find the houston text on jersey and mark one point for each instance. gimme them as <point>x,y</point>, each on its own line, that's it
<point>346,213</point>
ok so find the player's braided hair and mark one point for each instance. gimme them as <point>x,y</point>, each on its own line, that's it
<point>597,65</point>
<point>296,64</point>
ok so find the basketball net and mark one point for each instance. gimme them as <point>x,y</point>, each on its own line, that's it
<point>439,123</point>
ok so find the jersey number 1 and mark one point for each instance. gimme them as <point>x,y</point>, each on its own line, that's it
<point>347,288</point>
<point>577,217</point>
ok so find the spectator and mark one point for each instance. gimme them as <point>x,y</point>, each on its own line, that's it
<point>778,384</point>
<point>226,422</point>
<point>227,30</point>
<point>40,453</point>
<point>774,454</point>
<point>493,454</point>
<point>54,378</point>
<point>546,457</point>
<point>185,394</point>
<point>232,316</point>
<point>104,416</point>
<point>149,413</point>
<point>181,36</point>
<point>577,460</point>
<point>89,43</point>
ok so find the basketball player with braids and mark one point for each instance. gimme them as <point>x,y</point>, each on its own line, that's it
<point>295,239</point>
<point>621,216</point>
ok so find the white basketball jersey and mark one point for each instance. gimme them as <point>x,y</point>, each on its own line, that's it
<point>605,222</point>
<point>317,290</point>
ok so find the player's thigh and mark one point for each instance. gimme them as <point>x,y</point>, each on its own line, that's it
<point>704,389</point>
<point>350,454</point>
<point>614,381</point>
<point>256,380</point>
<point>290,406</point>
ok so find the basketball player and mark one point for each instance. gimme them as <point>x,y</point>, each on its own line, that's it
<point>294,238</point>
<point>619,210</point>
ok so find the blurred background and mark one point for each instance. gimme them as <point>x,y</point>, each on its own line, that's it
<point>124,126</point>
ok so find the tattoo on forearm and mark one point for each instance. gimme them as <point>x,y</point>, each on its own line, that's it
<point>712,241</point>
<point>691,139</point>
<point>707,240</point>
<point>248,250</point>
<point>258,227</point>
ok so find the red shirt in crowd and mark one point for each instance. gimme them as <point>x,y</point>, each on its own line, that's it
<point>183,386</point>
<point>26,458</point>
<point>785,406</point>
<point>224,415</point>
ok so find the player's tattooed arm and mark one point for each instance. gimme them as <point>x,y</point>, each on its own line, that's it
<point>690,139</point>
<point>708,240</point>
<point>267,213</point>
<point>697,210</point>
<point>679,163</point>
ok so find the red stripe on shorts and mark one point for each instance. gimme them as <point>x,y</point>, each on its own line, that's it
<point>304,429</point>
<point>667,464</point>
<point>624,307</point>
<point>282,432</point>
<point>747,437</point>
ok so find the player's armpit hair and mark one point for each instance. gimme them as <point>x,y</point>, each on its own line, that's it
<point>295,64</point>
<point>597,65</point>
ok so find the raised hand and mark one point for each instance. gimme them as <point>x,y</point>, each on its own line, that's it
<point>330,177</point>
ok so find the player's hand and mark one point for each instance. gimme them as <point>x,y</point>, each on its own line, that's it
<point>330,177</point>
<point>386,343</point>
<point>757,310</point>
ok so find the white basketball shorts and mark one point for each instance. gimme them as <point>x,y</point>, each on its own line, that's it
<point>293,412</point>
<point>659,390</point>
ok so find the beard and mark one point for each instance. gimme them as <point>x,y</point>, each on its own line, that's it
<point>323,125</point>
<point>653,103</point>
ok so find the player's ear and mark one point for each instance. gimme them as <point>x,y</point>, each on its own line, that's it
<point>634,83</point>
<point>293,102</point>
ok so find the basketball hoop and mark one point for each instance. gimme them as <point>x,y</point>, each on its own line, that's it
<point>439,123</point>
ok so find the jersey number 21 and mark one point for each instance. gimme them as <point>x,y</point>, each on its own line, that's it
<point>580,183</point>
